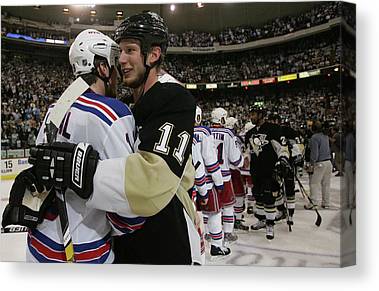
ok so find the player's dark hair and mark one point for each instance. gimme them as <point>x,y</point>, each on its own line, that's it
<point>91,78</point>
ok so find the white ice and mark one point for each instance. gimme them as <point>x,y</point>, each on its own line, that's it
<point>306,246</point>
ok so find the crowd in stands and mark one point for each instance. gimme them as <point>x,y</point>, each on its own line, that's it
<point>28,87</point>
<point>297,105</point>
<point>29,84</point>
<point>278,26</point>
<point>232,35</point>
<point>25,99</point>
<point>302,55</point>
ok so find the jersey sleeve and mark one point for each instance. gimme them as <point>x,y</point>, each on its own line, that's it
<point>235,156</point>
<point>200,174</point>
<point>209,154</point>
<point>119,140</point>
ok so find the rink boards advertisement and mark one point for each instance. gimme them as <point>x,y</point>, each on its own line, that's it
<point>11,167</point>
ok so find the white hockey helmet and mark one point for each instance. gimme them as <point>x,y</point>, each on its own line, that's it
<point>219,115</point>
<point>198,115</point>
<point>231,122</point>
<point>88,44</point>
<point>249,125</point>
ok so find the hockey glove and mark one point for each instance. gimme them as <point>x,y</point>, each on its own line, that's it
<point>65,165</point>
<point>298,161</point>
<point>283,167</point>
<point>28,201</point>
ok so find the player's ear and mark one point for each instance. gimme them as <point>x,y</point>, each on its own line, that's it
<point>103,69</point>
<point>154,55</point>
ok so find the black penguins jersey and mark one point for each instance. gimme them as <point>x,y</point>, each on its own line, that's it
<point>165,120</point>
<point>294,141</point>
<point>266,144</point>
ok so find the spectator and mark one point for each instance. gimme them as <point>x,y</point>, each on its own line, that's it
<point>320,167</point>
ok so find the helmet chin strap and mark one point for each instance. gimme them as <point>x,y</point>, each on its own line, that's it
<point>146,74</point>
<point>105,79</point>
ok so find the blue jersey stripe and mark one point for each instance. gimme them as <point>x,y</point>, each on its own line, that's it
<point>91,245</point>
<point>93,111</point>
<point>117,106</point>
<point>47,241</point>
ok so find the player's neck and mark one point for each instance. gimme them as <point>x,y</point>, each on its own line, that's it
<point>152,78</point>
<point>98,88</point>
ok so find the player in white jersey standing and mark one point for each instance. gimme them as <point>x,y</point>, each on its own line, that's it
<point>98,118</point>
<point>237,182</point>
<point>228,155</point>
<point>214,183</point>
<point>200,191</point>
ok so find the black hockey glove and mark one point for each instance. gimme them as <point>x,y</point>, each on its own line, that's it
<point>298,161</point>
<point>28,201</point>
<point>283,167</point>
<point>65,165</point>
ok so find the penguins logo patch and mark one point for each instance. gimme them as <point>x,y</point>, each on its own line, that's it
<point>257,141</point>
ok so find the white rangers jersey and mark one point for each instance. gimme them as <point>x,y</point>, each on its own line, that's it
<point>209,154</point>
<point>198,162</point>
<point>228,151</point>
<point>108,125</point>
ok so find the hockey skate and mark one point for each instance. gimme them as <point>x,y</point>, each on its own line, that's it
<point>290,220</point>
<point>269,232</point>
<point>260,224</point>
<point>238,225</point>
<point>219,252</point>
<point>280,215</point>
<point>230,238</point>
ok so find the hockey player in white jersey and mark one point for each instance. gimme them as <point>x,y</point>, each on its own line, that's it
<point>98,118</point>
<point>211,210</point>
<point>237,182</point>
<point>152,182</point>
<point>200,191</point>
<point>229,155</point>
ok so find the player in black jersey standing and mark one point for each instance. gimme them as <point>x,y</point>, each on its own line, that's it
<point>269,157</point>
<point>286,198</point>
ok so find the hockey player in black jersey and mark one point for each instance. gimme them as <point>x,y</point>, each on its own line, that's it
<point>269,158</point>
<point>155,180</point>
<point>286,199</point>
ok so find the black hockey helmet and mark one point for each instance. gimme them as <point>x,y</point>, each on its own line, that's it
<point>148,27</point>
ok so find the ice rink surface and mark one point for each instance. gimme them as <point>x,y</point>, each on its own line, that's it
<point>306,246</point>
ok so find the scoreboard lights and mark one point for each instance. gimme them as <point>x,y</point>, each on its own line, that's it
<point>250,82</point>
<point>191,86</point>
<point>211,86</point>
<point>268,80</point>
<point>309,74</point>
<point>287,77</point>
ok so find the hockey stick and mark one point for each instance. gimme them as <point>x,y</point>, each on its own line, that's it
<point>303,191</point>
<point>53,122</point>
<point>286,206</point>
